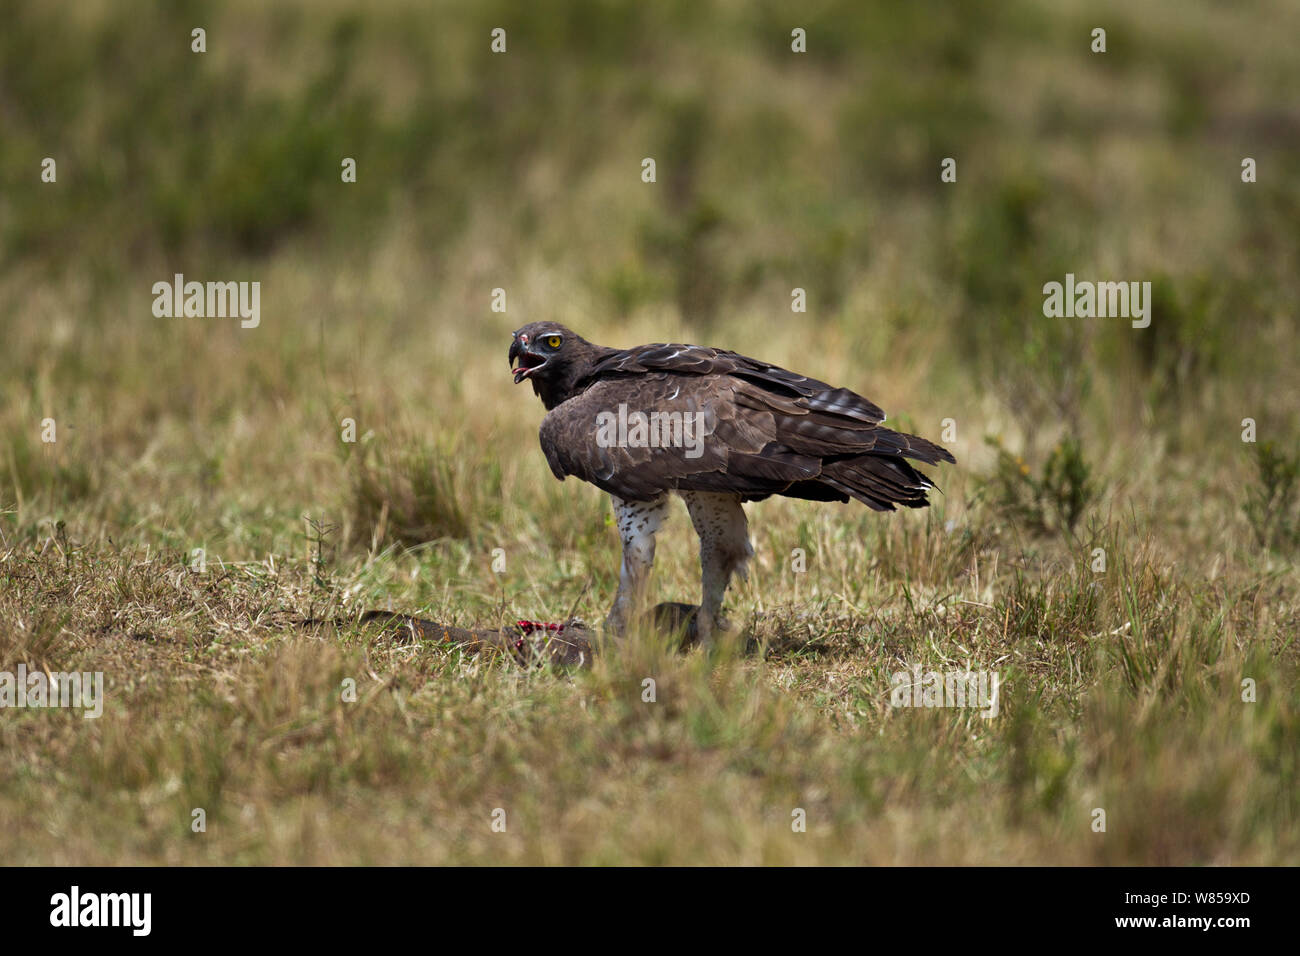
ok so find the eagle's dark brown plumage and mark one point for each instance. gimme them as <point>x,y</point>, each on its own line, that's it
<point>766,431</point>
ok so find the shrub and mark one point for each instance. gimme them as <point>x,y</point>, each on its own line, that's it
<point>1051,502</point>
<point>1270,501</point>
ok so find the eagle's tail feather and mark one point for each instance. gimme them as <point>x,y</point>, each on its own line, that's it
<point>879,482</point>
<point>926,451</point>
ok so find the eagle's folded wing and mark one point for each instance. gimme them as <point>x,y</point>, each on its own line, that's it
<point>745,428</point>
<point>698,360</point>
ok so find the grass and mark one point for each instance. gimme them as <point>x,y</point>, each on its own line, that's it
<point>1123,681</point>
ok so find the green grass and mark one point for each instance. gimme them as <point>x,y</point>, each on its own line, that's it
<point>1122,688</point>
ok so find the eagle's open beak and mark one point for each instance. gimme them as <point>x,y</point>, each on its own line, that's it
<point>529,362</point>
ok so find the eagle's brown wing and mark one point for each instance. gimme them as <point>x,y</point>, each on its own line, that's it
<point>698,360</point>
<point>766,431</point>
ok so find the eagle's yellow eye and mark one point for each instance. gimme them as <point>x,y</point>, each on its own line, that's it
<point>552,341</point>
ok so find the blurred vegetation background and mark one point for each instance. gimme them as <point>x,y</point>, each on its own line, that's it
<point>775,171</point>
<point>521,170</point>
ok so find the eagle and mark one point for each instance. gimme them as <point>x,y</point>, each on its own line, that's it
<point>715,428</point>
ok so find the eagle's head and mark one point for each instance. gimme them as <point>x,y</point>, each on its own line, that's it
<point>552,357</point>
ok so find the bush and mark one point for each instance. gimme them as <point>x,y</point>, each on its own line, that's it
<point>1055,500</point>
<point>1270,501</point>
<point>409,492</point>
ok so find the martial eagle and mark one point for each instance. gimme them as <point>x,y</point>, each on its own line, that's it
<point>718,429</point>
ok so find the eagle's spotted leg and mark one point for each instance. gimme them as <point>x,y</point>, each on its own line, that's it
<point>637,523</point>
<point>719,520</point>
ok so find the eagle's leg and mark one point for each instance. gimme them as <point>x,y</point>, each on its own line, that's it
<point>719,520</point>
<point>637,523</point>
